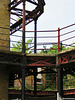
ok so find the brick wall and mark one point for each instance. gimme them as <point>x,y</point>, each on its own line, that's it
<point>4,22</point>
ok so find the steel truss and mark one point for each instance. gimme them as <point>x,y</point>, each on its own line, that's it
<point>29,67</point>
<point>30,15</point>
<point>66,61</point>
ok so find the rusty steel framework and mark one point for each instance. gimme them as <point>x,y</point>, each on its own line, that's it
<point>25,17</point>
<point>30,15</point>
<point>27,64</point>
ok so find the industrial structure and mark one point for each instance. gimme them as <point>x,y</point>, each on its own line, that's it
<point>19,65</point>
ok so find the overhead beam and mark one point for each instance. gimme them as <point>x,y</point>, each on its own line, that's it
<point>29,17</point>
<point>16,14</point>
<point>16,4</point>
<point>32,2</point>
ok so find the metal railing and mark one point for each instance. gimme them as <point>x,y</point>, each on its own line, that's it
<point>47,41</point>
<point>48,85</point>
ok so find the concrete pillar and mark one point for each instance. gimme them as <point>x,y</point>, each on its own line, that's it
<point>4,22</point>
<point>3,83</point>
<point>5,42</point>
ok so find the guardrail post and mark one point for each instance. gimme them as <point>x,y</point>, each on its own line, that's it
<point>58,39</point>
<point>35,35</point>
<point>61,46</point>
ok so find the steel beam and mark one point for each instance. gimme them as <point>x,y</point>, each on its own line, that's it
<point>14,5</point>
<point>29,17</point>
<point>32,2</point>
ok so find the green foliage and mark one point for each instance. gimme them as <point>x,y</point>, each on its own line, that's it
<point>54,49</point>
<point>18,46</point>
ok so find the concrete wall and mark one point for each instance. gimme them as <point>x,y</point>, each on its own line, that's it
<point>4,22</point>
<point>3,83</point>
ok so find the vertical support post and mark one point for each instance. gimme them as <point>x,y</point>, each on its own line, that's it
<point>35,81</point>
<point>23,27</point>
<point>57,62</point>
<point>35,47</point>
<point>23,82</point>
<point>24,51</point>
<point>23,76</point>
<point>35,35</point>
<point>58,39</point>
<point>60,81</point>
<point>59,73</point>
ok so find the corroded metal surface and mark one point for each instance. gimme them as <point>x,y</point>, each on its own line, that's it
<point>29,92</point>
<point>30,15</point>
<point>66,56</point>
<point>16,59</point>
<point>37,59</point>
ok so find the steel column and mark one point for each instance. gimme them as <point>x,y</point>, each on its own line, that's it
<point>23,77</point>
<point>35,35</point>
<point>24,51</point>
<point>35,47</point>
<point>60,80</point>
<point>23,83</point>
<point>23,27</point>
<point>35,81</point>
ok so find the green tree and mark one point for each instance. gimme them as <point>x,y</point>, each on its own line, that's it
<point>18,46</point>
<point>54,49</point>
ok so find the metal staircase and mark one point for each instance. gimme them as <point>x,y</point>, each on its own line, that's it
<point>29,15</point>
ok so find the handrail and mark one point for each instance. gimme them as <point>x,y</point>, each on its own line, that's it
<point>45,39</point>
